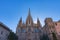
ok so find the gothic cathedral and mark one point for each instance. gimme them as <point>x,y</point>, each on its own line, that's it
<point>29,30</point>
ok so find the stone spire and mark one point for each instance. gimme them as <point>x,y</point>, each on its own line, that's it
<point>38,23</point>
<point>29,20</point>
<point>20,22</point>
<point>29,12</point>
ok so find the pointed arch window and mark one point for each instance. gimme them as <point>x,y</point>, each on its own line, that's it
<point>29,22</point>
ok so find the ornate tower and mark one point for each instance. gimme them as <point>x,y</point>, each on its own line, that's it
<point>29,20</point>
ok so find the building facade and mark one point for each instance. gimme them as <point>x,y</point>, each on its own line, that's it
<point>29,30</point>
<point>49,28</point>
<point>57,27</point>
<point>4,32</point>
<point>52,29</point>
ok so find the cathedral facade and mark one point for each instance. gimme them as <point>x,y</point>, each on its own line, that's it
<point>29,30</point>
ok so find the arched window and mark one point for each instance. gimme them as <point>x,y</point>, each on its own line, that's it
<point>29,22</point>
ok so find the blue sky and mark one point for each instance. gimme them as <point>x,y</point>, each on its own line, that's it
<point>12,10</point>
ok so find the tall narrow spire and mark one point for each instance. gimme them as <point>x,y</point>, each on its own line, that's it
<point>20,22</point>
<point>29,12</point>
<point>29,18</point>
<point>38,23</point>
<point>20,19</point>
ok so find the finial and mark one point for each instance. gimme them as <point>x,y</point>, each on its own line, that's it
<point>29,12</point>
